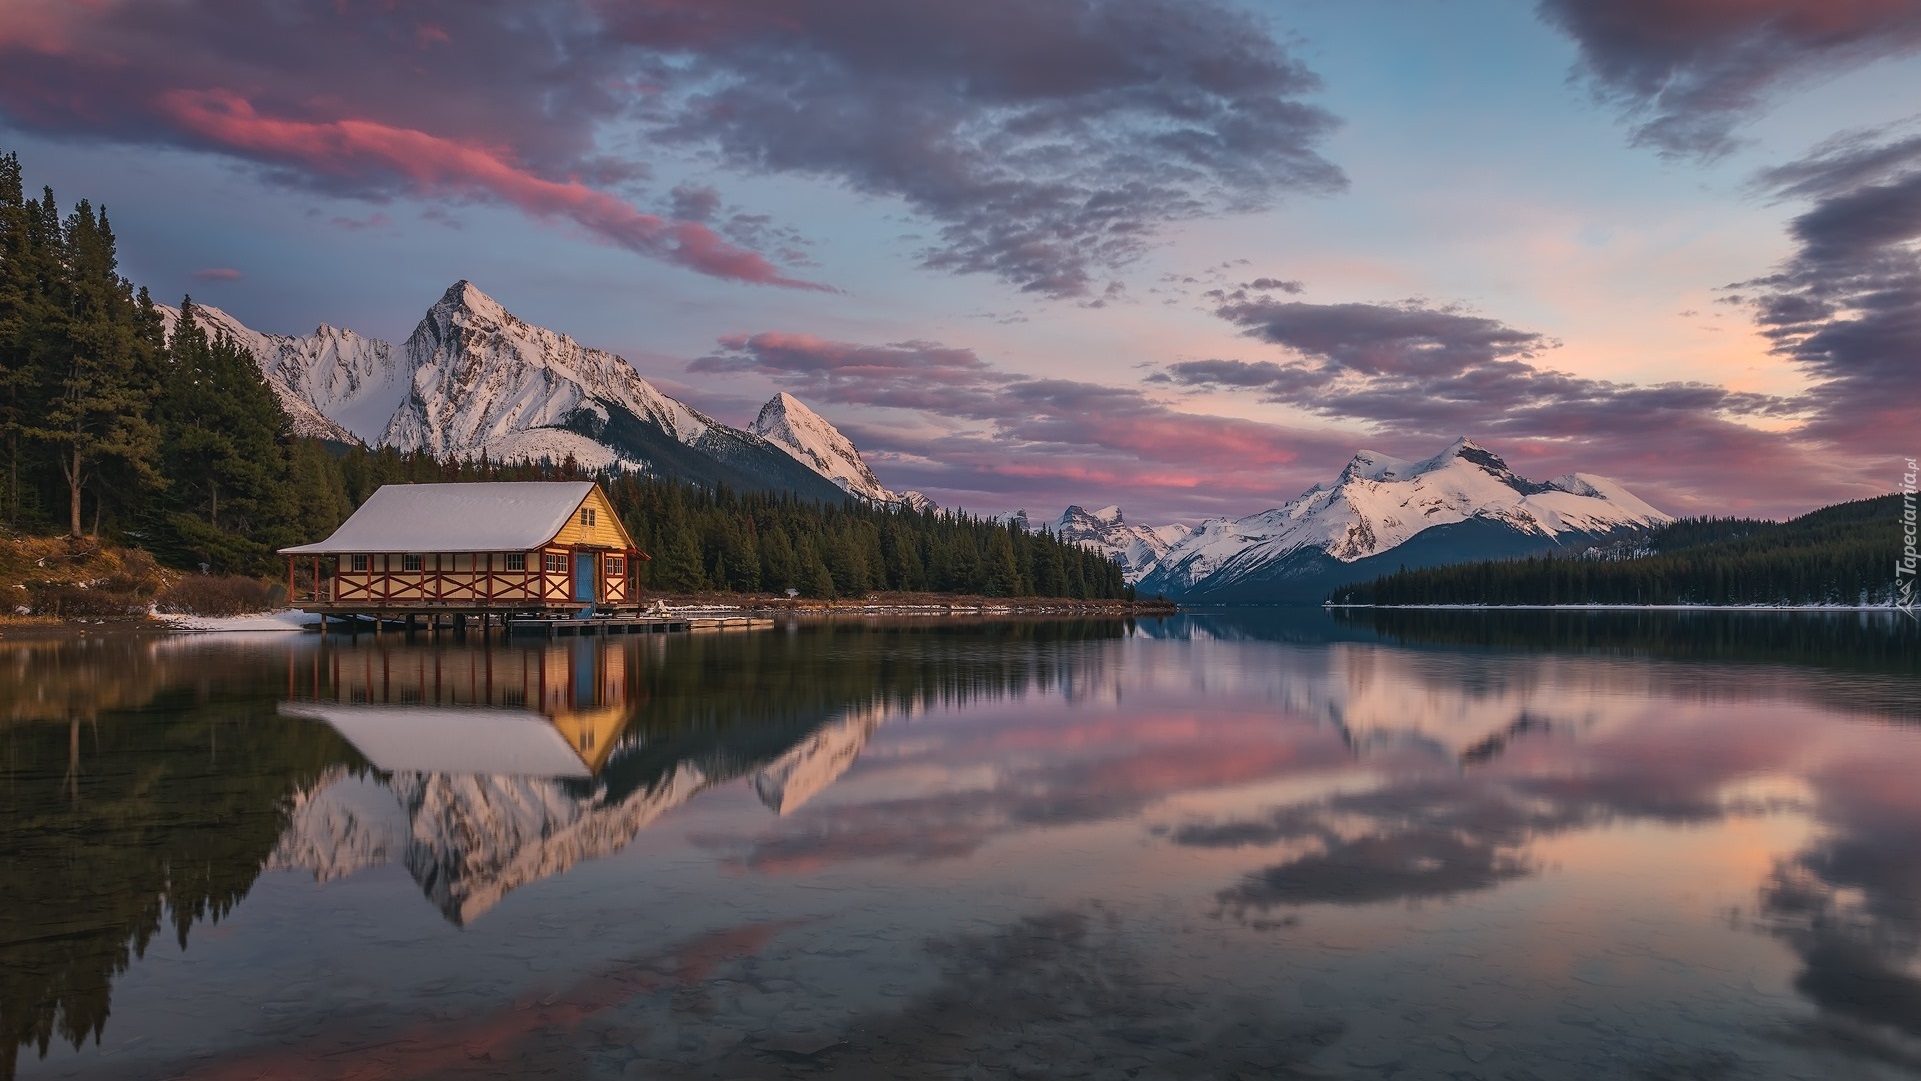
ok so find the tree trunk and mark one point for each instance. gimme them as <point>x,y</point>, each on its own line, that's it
<point>73,492</point>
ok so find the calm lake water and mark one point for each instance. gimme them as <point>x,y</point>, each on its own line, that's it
<point>1446,845</point>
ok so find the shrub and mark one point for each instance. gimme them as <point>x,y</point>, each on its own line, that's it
<point>218,595</point>
<point>107,599</point>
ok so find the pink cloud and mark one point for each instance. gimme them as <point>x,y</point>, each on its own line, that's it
<point>218,274</point>
<point>442,167</point>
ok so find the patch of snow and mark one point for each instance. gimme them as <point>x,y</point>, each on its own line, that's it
<point>287,619</point>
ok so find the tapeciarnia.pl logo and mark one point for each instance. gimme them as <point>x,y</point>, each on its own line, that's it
<point>1904,568</point>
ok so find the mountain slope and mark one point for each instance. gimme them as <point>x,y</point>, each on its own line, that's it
<point>480,376</point>
<point>1464,503</point>
<point>474,379</point>
<point>1138,547</point>
<point>787,422</point>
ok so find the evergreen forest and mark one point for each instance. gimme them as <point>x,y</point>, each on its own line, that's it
<point>113,428</point>
<point>1844,554</point>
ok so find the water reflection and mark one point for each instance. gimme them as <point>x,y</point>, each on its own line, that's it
<point>492,769</point>
<point>1253,844</point>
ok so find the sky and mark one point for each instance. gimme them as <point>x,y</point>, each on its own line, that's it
<point>1184,256</point>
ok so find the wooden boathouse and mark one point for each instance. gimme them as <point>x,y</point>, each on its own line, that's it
<point>478,549</point>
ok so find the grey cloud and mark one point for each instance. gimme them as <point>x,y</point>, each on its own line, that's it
<point>693,202</point>
<point>1437,370</point>
<point>1686,72</point>
<point>1377,339</point>
<point>1844,306</point>
<point>1048,140</point>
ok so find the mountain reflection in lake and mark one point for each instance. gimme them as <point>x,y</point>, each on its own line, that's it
<point>1249,845</point>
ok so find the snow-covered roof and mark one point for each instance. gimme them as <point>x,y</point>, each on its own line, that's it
<point>497,516</point>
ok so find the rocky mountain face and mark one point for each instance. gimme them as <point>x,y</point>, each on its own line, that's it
<point>474,379</point>
<point>1138,547</point>
<point>786,422</point>
<point>1381,513</point>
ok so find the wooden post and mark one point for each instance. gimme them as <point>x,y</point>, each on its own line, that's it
<point>290,594</point>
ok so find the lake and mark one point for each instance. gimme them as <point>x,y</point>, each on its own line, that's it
<point>1218,845</point>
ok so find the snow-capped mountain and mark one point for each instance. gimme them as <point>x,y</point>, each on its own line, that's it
<point>786,422</point>
<point>273,352</point>
<point>473,379</point>
<point>482,379</point>
<point>1463,503</point>
<point>1138,547</point>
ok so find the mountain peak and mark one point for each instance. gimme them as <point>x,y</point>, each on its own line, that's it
<point>785,406</point>
<point>465,295</point>
<point>813,441</point>
<point>1466,450</point>
<point>1373,465</point>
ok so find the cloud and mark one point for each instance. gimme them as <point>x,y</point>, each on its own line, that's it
<point>489,101</point>
<point>998,431</point>
<point>440,167</point>
<point>1274,285</point>
<point>1426,374</point>
<point>1687,71</point>
<point>694,202</point>
<point>218,274</point>
<point>1045,139</point>
<point>1846,306</point>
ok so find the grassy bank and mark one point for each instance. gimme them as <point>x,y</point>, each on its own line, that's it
<point>56,580</point>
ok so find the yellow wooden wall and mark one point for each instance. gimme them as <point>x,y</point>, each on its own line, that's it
<point>606,532</point>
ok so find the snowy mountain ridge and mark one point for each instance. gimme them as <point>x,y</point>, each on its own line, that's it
<point>1380,503</point>
<point>483,378</point>
<point>474,379</point>
<point>1138,547</point>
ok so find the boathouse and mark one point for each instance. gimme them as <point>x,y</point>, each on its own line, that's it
<point>470,549</point>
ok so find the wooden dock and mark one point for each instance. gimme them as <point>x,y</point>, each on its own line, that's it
<point>615,624</point>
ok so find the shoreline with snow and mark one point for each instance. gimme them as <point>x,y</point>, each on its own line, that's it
<point>280,621</point>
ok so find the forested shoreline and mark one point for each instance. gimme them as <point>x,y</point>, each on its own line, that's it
<point>1839,555</point>
<point>116,431</point>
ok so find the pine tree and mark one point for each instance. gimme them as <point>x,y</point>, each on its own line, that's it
<point>29,267</point>
<point>1003,570</point>
<point>320,501</point>
<point>231,498</point>
<point>98,412</point>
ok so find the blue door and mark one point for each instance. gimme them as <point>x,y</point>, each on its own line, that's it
<point>584,576</point>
